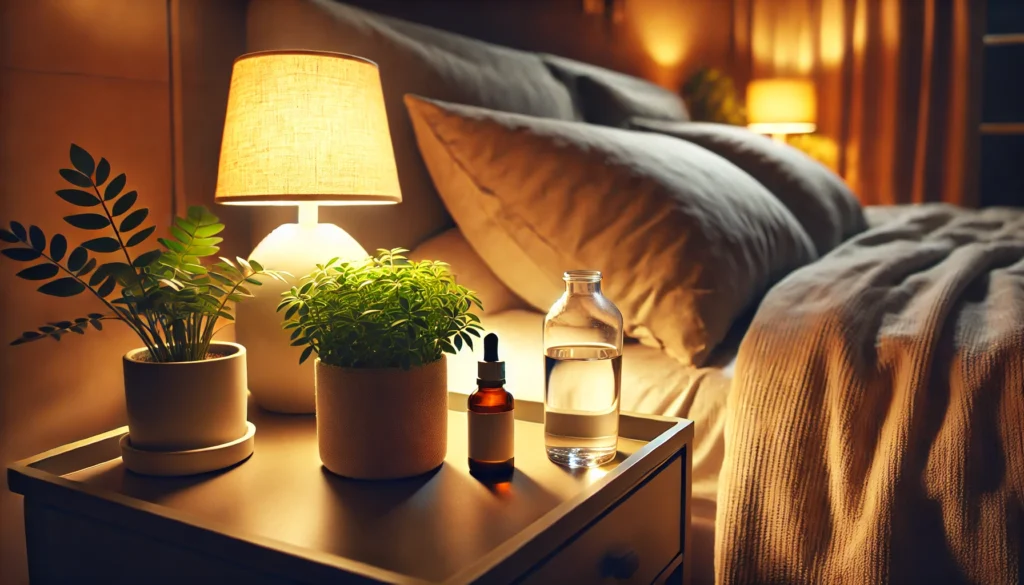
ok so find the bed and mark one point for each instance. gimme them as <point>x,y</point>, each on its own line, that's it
<point>851,371</point>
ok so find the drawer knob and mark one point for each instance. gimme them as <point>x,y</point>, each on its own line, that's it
<point>620,564</point>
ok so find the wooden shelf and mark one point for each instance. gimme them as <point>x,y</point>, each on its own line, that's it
<point>1002,128</point>
<point>1004,39</point>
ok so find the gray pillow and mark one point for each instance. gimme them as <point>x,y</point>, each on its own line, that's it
<point>687,242</point>
<point>413,59</point>
<point>610,98</point>
<point>820,200</point>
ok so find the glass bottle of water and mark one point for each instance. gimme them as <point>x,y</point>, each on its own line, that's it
<point>583,373</point>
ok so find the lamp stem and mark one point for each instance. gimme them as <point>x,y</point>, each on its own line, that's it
<point>308,214</point>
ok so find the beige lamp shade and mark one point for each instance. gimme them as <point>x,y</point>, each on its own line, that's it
<point>782,106</point>
<point>306,126</point>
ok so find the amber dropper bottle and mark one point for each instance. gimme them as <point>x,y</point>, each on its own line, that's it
<point>491,419</point>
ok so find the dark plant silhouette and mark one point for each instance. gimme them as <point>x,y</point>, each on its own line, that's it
<point>167,297</point>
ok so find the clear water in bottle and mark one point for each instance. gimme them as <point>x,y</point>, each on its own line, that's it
<point>582,387</point>
<point>583,373</point>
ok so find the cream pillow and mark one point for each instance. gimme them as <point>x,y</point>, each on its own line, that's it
<point>685,239</point>
<point>470,270</point>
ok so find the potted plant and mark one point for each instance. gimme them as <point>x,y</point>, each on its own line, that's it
<point>183,390</point>
<point>380,328</point>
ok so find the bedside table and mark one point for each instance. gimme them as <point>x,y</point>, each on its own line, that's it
<point>280,517</point>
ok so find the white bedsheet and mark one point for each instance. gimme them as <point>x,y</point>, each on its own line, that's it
<point>652,383</point>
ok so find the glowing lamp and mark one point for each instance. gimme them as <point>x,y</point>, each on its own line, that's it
<point>302,128</point>
<point>782,106</point>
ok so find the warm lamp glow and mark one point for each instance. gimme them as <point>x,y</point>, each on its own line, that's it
<point>306,127</point>
<point>782,106</point>
<point>664,29</point>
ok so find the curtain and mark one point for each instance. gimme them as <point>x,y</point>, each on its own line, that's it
<point>893,79</point>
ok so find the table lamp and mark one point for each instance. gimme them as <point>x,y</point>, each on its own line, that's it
<point>781,106</point>
<point>302,128</point>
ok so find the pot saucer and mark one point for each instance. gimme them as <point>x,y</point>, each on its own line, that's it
<point>191,462</point>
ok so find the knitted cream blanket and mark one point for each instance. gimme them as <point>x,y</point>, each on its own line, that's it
<point>875,427</point>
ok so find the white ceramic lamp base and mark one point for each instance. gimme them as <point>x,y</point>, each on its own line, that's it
<point>276,380</point>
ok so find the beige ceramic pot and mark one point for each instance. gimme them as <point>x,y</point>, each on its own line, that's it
<point>186,405</point>
<point>382,423</point>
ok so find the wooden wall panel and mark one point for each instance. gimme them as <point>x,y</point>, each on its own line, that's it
<point>94,72</point>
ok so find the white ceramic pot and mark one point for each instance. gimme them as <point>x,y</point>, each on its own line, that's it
<point>179,406</point>
<point>382,423</point>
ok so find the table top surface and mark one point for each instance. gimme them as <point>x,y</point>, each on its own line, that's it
<point>428,528</point>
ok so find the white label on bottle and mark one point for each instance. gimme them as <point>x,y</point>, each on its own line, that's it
<point>491,436</point>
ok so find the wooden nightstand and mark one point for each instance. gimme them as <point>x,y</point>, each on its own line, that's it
<point>281,518</point>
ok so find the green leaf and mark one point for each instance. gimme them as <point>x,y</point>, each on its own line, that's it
<point>37,238</point>
<point>180,235</point>
<point>468,340</point>
<point>8,237</point>
<point>39,272</point>
<point>114,187</point>
<point>82,160</point>
<point>140,236</point>
<point>203,251</point>
<point>88,221</point>
<point>172,245</point>
<point>107,287</point>
<point>104,244</point>
<point>102,171</point>
<point>291,312</point>
<point>77,259</point>
<point>58,247</point>
<point>256,265</point>
<point>194,268</point>
<point>62,287</point>
<point>87,268</point>
<point>78,197</point>
<point>21,254</point>
<point>134,219</point>
<point>96,322</point>
<point>206,231</point>
<point>305,354</point>
<point>146,259</point>
<point>458,342</point>
<point>222,279</point>
<point>124,203</point>
<point>75,178</point>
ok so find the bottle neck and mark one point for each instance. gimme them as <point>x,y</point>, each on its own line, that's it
<point>582,288</point>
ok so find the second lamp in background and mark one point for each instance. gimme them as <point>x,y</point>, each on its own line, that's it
<point>302,128</point>
<point>782,106</point>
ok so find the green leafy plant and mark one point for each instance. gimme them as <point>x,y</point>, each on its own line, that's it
<point>384,312</point>
<point>711,96</point>
<point>168,297</point>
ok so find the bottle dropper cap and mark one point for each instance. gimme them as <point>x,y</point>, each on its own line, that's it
<point>491,369</point>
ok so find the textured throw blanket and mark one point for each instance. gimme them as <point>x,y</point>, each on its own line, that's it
<point>875,428</point>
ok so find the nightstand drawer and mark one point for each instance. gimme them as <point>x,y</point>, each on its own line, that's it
<point>631,544</point>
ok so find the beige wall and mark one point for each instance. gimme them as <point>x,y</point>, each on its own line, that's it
<point>94,72</point>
